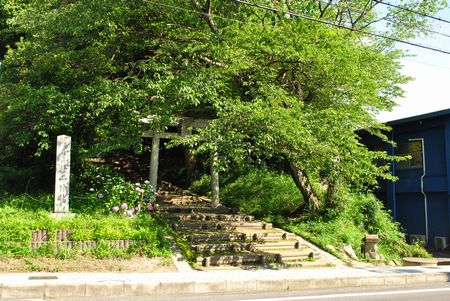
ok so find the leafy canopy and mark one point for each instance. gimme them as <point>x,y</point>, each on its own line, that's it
<point>279,87</point>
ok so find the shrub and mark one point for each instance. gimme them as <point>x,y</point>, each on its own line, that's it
<point>201,185</point>
<point>361,214</point>
<point>100,188</point>
<point>263,193</point>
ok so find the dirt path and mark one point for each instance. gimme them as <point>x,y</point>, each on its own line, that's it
<point>83,264</point>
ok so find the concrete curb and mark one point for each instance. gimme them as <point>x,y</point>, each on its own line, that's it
<point>167,284</point>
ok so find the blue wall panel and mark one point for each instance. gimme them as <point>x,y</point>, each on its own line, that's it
<point>410,212</point>
<point>437,215</point>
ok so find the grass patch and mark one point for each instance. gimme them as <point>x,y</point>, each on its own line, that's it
<point>19,218</point>
<point>272,197</point>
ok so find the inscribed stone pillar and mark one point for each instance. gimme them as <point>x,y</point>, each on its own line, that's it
<point>62,176</point>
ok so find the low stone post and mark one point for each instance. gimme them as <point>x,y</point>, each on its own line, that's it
<point>370,249</point>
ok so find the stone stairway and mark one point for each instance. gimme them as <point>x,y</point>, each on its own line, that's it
<point>222,237</point>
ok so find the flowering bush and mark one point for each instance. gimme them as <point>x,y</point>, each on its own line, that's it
<point>146,196</point>
<point>110,191</point>
<point>131,212</point>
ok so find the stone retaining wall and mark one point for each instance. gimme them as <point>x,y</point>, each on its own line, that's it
<point>63,239</point>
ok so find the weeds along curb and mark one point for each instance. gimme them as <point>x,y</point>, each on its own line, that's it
<point>177,255</point>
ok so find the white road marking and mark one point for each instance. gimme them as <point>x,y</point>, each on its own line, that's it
<point>349,295</point>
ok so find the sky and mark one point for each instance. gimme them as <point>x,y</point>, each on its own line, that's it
<point>430,89</point>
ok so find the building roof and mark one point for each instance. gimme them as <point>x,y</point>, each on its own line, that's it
<point>420,117</point>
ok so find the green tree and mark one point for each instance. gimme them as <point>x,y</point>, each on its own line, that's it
<point>9,34</point>
<point>302,89</point>
<point>279,87</point>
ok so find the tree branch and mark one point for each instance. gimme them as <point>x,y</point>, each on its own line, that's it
<point>205,12</point>
<point>213,62</point>
<point>367,8</point>
<point>325,8</point>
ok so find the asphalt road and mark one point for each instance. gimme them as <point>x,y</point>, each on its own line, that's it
<point>436,292</point>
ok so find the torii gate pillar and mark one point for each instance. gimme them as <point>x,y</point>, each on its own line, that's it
<point>154,158</point>
<point>215,201</point>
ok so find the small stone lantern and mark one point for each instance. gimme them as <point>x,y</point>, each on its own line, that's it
<point>370,249</point>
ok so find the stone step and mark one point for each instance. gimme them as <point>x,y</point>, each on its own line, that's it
<point>270,236</point>
<point>204,225</point>
<point>221,236</point>
<point>299,256</point>
<point>195,209</point>
<point>211,217</point>
<point>237,247</point>
<point>221,247</point>
<point>237,259</point>
<point>277,245</point>
<point>215,237</point>
<point>306,264</point>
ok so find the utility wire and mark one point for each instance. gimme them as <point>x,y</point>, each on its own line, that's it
<point>343,27</point>
<point>422,28</point>
<point>306,18</point>
<point>428,64</point>
<point>353,8</point>
<point>412,11</point>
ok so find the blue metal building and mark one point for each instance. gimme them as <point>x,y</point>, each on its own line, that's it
<point>420,199</point>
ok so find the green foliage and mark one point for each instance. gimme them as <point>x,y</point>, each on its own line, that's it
<point>280,87</point>
<point>101,188</point>
<point>27,202</point>
<point>9,34</point>
<point>263,193</point>
<point>14,179</point>
<point>103,250</point>
<point>201,185</point>
<point>18,221</point>
<point>185,248</point>
<point>363,214</point>
<point>62,252</point>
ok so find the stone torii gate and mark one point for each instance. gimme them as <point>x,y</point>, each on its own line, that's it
<point>186,124</point>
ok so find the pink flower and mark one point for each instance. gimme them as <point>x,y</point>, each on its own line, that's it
<point>124,206</point>
<point>115,208</point>
<point>150,207</point>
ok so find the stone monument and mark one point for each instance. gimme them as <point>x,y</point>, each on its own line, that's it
<point>62,177</point>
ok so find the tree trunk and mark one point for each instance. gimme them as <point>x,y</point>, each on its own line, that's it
<point>304,185</point>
